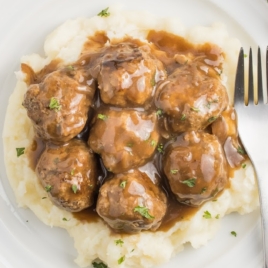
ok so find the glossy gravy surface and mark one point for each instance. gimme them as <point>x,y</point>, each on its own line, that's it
<point>164,46</point>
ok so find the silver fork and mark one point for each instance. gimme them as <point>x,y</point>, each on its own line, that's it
<point>252,119</point>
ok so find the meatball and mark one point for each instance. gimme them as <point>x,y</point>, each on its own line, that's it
<point>195,167</point>
<point>225,125</point>
<point>190,98</point>
<point>59,105</point>
<point>69,174</point>
<point>128,75</point>
<point>124,138</point>
<point>131,202</point>
<point>225,129</point>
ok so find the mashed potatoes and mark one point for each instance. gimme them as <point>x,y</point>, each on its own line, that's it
<point>94,240</point>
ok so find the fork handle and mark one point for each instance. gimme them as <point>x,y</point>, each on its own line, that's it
<point>261,169</point>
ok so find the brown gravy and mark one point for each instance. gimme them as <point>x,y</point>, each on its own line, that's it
<point>165,46</point>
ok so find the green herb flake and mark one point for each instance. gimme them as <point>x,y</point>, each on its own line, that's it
<point>244,165</point>
<point>132,250</point>
<point>104,13</point>
<point>217,216</point>
<point>212,119</point>
<point>123,184</point>
<point>102,117</point>
<point>207,215</point>
<point>219,72</point>
<point>241,151</point>
<point>99,265</point>
<point>214,200</point>
<point>44,197</point>
<point>159,112</point>
<point>130,144</point>
<point>144,212</point>
<point>119,242</point>
<point>245,55</point>
<point>233,233</point>
<point>183,117</point>
<point>20,151</point>
<point>153,83</point>
<point>64,219</point>
<point>74,188</point>
<point>190,182</point>
<point>174,171</point>
<point>208,105</point>
<point>153,143</point>
<point>56,160</point>
<point>48,188</point>
<point>70,67</point>
<point>195,109</point>
<point>54,104</point>
<point>120,260</point>
<point>160,148</point>
<point>203,190</point>
<point>72,172</point>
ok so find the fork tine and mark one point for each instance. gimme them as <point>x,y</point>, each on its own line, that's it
<point>250,80</point>
<point>267,70</point>
<point>259,70</point>
<point>239,79</point>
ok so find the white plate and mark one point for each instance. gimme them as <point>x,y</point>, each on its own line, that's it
<point>24,240</point>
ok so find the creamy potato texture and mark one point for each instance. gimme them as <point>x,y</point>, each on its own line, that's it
<point>94,240</point>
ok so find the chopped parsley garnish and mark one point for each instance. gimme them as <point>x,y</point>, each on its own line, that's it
<point>212,119</point>
<point>243,165</point>
<point>233,233</point>
<point>56,160</point>
<point>99,265</point>
<point>153,143</point>
<point>102,116</point>
<point>159,112</point>
<point>195,109</point>
<point>174,171</point>
<point>44,197</point>
<point>183,117</point>
<point>130,144</point>
<point>54,104</point>
<point>203,190</point>
<point>72,172</point>
<point>245,55</point>
<point>74,188</point>
<point>210,102</point>
<point>207,215</point>
<point>120,260</point>
<point>20,151</point>
<point>144,212</point>
<point>217,217</point>
<point>123,184</point>
<point>119,242</point>
<point>48,188</point>
<point>214,200</point>
<point>153,82</point>
<point>104,13</point>
<point>64,219</point>
<point>160,148</point>
<point>240,150</point>
<point>70,67</point>
<point>190,182</point>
